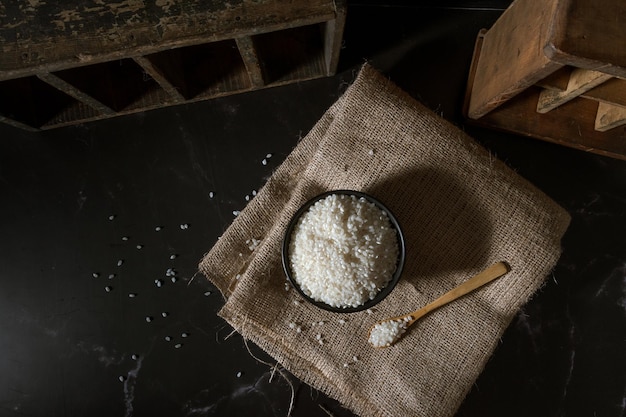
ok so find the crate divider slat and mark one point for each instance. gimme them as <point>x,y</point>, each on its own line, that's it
<point>78,94</point>
<point>157,74</point>
<point>250,57</point>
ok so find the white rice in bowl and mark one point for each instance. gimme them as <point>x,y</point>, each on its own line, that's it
<point>343,251</point>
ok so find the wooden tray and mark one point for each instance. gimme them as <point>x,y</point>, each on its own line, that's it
<point>75,61</point>
<point>554,71</point>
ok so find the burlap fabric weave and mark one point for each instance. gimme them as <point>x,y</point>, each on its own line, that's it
<point>461,210</point>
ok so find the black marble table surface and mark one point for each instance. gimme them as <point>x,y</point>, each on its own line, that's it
<point>129,203</point>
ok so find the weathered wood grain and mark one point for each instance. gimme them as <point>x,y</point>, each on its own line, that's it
<point>591,35</point>
<point>572,124</point>
<point>291,54</point>
<point>612,91</point>
<point>71,90</point>
<point>333,37</point>
<point>250,56</point>
<point>554,70</point>
<point>55,35</point>
<point>159,76</point>
<point>558,80</point>
<point>609,117</point>
<point>512,57</point>
<point>580,81</point>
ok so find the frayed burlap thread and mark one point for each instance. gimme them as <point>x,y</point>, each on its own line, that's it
<point>461,210</point>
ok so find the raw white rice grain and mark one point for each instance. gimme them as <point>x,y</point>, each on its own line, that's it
<point>343,251</point>
<point>253,243</point>
<point>387,332</point>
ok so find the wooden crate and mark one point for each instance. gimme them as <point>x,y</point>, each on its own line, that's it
<point>74,61</point>
<point>554,70</point>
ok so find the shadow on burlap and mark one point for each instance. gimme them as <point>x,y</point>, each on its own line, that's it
<point>461,210</point>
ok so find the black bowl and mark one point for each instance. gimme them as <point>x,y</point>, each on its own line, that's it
<point>384,292</point>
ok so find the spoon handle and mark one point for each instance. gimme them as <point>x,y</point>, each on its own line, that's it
<point>494,271</point>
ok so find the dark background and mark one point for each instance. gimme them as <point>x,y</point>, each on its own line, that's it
<point>65,342</point>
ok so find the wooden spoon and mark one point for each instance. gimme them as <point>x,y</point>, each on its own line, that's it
<point>398,325</point>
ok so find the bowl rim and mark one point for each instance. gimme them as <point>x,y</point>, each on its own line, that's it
<point>383,293</point>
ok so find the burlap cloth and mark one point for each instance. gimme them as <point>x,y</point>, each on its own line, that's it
<point>460,209</point>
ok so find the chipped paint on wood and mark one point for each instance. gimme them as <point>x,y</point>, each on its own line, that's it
<point>150,54</point>
<point>56,33</point>
<point>165,4</point>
